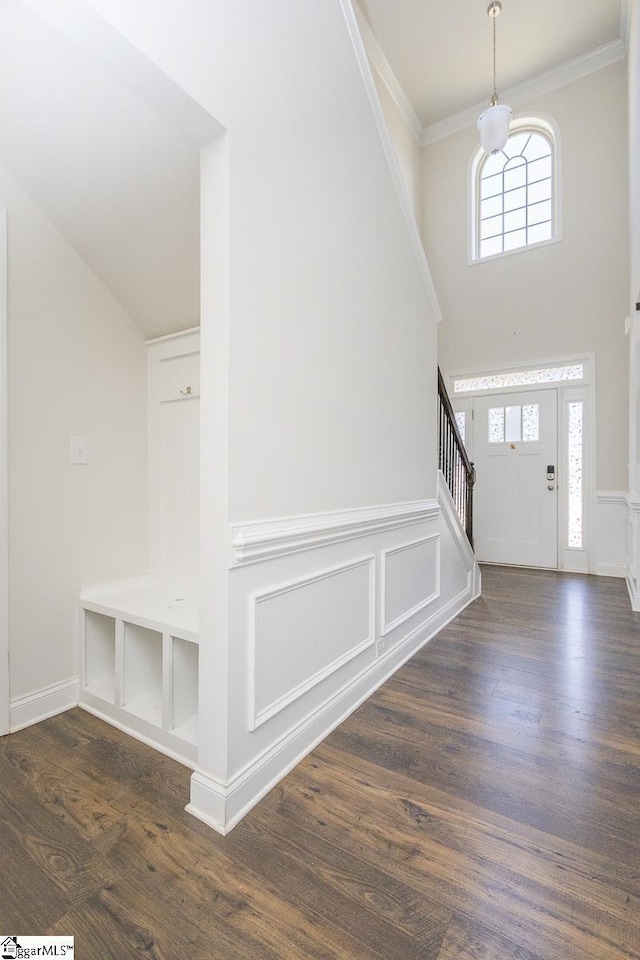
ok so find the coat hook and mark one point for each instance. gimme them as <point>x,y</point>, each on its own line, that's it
<point>186,393</point>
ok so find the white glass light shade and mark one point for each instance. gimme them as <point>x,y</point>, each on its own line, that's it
<point>493,125</point>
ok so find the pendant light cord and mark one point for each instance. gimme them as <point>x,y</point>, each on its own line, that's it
<point>494,98</point>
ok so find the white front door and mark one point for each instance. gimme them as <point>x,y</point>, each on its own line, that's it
<point>516,492</point>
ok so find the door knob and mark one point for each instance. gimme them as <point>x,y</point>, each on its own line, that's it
<point>550,486</point>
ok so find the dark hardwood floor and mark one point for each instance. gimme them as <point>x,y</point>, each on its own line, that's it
<point>483,805</point>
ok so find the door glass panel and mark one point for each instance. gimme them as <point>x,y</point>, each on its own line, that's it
<point>496,425</point>
<point>461,420</point>
<point>531,422</point>
<point>513,426</point>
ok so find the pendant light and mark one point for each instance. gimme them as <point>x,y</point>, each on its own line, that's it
<point>493,124</point>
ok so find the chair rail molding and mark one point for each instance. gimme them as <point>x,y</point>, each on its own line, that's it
<point>268,539</point>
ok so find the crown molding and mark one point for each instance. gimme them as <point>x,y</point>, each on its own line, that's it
<point>576,69</point>
<point>392,160</point>
<point>625,21</point>
<point>386,74</point>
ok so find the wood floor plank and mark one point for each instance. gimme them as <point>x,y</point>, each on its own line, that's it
<point>467,941</point>
<point>483,805</point>
<point>64,787</point>
<point>202,878</point>
<point>475,876</point>
<point>364,899</point>
<point>42,860</point>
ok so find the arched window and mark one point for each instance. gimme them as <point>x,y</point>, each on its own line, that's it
<point>514,192</point>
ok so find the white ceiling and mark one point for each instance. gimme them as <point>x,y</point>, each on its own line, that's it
<point>118,180</point>
<point>441,50</point>
<point>118,173</point>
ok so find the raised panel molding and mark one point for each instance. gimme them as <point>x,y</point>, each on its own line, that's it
<point>316,621</point>
<point>305,630</point>
<point>266,540</point>
<point>222,805</point>
<point>402,595</point>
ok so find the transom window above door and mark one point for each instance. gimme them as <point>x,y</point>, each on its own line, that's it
<point>516,378</point>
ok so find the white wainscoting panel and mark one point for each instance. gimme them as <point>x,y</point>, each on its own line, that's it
<point>633,551</point>
<point>611,533</point>
<point>324,608</point>
<point>410,580</point>
<point>306,630</point>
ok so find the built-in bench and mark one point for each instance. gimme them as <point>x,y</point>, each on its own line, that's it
<point>139,646</point>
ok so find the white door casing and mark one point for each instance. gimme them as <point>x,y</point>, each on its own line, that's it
<point>174,417</point>
<point>515,500</point>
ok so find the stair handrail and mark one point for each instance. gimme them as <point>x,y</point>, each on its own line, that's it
<point>451,453</point>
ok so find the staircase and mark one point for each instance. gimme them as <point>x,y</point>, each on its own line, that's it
<point>453,461</point>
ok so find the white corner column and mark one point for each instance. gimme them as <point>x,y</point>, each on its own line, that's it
<point>4,535</point>
<point>633,499</point>
<point>209,781</point>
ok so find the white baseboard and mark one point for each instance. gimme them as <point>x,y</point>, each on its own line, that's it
<point>634,593</point>
<point>611,570</point>
<point>611,533</point>
<point>42,704</point>
<point>222,806</point>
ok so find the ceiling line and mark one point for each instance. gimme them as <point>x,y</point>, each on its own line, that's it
<point>406,206</point>
<point>625,20</point>
<point>545,82</point>
<point>385,72</point>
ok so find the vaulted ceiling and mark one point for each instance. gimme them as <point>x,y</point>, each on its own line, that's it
<point>118,179</point>
<point>441,52</point>
<point>117,169</point>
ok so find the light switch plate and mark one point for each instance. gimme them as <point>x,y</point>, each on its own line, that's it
<point>79,450</point>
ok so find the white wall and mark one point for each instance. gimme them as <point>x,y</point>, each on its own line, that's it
<point>633,80</point>
<point>317,313</point>
<point>566,298</point>
<point>332,351</point>
<point>77,366</point>
<point>633,83</point>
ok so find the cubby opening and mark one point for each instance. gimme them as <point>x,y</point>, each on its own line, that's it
<point>142,673</point>
<point>100,655</point>
<point>184,690</point>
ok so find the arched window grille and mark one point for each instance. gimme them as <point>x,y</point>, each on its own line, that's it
<point>515,194</point>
